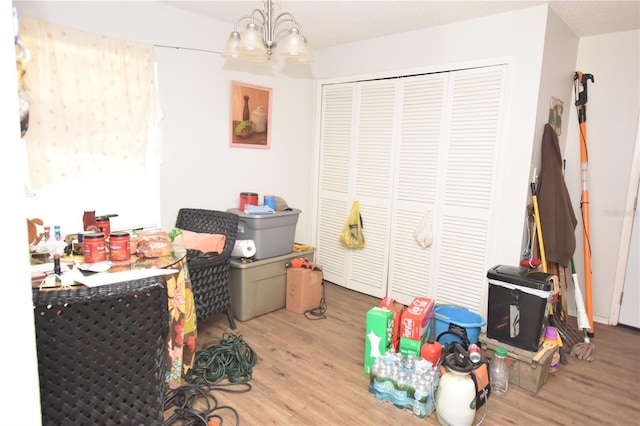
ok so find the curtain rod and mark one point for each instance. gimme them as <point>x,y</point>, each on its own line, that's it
<point>187,48</point>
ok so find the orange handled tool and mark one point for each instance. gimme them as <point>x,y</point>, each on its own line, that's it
<point>580,85</point>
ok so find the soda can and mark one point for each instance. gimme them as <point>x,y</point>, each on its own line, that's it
<point>474,353</point>
<point>270,200</point>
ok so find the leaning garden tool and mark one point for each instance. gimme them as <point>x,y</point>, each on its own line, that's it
<point>543,258</point>
<point>580,81</point>
<point>536,212</point>
<point>585,350</point>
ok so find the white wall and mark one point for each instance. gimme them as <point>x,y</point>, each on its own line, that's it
<point>199,167</point>
<point>558,68</point>
<point>516,38</point>
<point>613,107</point>
<point>20,404</point>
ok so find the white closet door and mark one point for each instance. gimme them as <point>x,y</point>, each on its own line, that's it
<point>406,148</point>
<point>468,164</point>
<point>373,185</point>
<point>369,166</point>
<point>415,188</point>
<point>334,196</point>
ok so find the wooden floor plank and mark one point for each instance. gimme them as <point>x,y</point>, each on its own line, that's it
<point>310,372</point>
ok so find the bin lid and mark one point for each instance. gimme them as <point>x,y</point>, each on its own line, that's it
<point>522,276</point>
<point>266,217</point>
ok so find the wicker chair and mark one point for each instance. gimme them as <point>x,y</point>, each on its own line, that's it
<point>210,275</point>
<point>102,353</point>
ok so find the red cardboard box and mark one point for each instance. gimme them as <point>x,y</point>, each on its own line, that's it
<point>416,317</point>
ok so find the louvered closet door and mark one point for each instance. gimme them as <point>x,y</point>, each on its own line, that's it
<point>469,162</point>
<point>337,136</point>
<point>368,161</point>
<point>420,138</point>
<point>406,148</point>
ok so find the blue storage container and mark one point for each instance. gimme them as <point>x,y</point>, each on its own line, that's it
<point>454,321</point>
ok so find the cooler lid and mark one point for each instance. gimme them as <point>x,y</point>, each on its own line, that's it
<point>521,276</point>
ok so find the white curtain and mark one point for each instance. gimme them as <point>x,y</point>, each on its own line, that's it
<point>93,104</point>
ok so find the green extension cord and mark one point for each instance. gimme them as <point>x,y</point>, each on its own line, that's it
<point>194,404</point>
<point>231,358</point>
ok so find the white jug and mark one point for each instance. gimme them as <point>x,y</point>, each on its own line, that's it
<point>456,396</point>
<point>259,119</point>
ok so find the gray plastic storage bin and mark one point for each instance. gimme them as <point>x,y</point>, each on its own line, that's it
<point>260,287</point>
<point>273,234</point>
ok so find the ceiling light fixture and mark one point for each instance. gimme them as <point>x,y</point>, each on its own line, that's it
<point>257,41</point>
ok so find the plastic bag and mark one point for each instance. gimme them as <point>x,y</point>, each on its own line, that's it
<point>352,236</point>
<point>153,244</point>
<point>424,232</point>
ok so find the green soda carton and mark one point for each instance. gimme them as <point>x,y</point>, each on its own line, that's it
<point>410,347</point>
<point>379,335</point>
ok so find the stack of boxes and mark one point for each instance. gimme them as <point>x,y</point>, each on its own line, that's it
<point>414,325</point>
<point>518,308</point>
<point>395,337</point>
<point>412,329</point>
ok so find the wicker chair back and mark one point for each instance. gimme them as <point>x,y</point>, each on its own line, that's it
<point>102,353</point>
<point>210,275</point>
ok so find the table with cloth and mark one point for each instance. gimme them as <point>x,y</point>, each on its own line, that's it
<point>181,341</point>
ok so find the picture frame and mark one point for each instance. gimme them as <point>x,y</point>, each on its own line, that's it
<point>556,109</point>
<point>250,113</point>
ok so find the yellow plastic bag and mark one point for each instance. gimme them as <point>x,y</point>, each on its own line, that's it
<point>352,236</point>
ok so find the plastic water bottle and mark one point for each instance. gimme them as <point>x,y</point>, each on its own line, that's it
<point>499,372</point>
<point>421,398</point>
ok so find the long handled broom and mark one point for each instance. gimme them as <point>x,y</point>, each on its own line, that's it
<point>585,350</point>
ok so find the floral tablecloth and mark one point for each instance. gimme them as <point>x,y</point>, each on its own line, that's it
<point>181,344</point>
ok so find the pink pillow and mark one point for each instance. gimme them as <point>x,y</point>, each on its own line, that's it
<point>201,241</point>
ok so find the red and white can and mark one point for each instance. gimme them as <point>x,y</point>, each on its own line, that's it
<point>474,353</point>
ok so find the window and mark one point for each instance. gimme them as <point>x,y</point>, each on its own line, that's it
<point>92,141</point>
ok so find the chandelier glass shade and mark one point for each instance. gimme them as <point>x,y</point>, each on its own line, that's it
<point>260,36</point>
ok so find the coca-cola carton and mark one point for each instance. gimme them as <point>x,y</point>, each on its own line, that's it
<point>415,319</point>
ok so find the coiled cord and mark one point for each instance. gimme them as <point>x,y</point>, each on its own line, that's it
<point>230,358</point>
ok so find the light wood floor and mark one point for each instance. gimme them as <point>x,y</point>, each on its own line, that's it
<point>311,373</point>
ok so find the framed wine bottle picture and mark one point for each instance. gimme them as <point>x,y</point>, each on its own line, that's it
<point>250,116</point>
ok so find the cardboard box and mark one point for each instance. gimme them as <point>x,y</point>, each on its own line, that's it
<point>416,317</point>
<point>410,347</point>
<point>527,370</point>
<point>304,289</point>
<point>378,335</point>
<point>273,234</point>
<point>260,287</point>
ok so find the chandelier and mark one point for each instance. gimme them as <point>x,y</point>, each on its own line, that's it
<point>260,37</point>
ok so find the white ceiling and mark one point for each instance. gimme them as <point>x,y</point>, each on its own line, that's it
<point>328,23</point>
